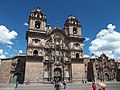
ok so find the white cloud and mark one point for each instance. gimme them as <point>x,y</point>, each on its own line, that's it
<point>26,24</point>
<point>1,54</point>
<point>86,39</point>
<point>20,51</point>
<point>107,41</point>
<point>86,56</point>
<point>6,36</point>
<point>6,53</point>
<point>111,27</point>
<point>9,46</point>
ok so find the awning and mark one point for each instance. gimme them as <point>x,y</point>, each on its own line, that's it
<point>102,84</point>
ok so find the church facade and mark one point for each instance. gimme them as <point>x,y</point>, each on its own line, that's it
<point>57,47</point>
<point>54,53</point>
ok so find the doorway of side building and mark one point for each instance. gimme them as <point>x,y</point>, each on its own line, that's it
<point>58,74</point>
<point>106,77</point>
<point>16,77</point>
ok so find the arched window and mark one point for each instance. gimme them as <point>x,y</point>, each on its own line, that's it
<point>35,52</point>
<point>74,30</point>
<point>98,74</point>
<point>77,55</point>
<point>38,16</point>
<point>57,51</point>
<point>37,24</point>
<point>36,40</point>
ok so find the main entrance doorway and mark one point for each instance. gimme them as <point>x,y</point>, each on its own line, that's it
<point>106,77</point>
<point>58,74</point>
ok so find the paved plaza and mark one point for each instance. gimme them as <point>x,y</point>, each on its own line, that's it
<point>70,86</point>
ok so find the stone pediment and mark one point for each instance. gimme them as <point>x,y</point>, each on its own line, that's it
<point>59,31</point>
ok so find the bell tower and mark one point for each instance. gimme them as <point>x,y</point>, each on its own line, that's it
<point>37,21</point>
<point>73,27</point>
<point>36,33</point>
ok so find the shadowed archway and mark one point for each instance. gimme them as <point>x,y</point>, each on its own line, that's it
<point>106,77</point>
<point>17,77</point>
<point>57,74</point>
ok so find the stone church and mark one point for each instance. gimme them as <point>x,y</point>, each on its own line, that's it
<point>54,53</point>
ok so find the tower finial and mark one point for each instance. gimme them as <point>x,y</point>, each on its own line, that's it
<point>38,7</point>
<point>57,23</point>
<point>57,26</point>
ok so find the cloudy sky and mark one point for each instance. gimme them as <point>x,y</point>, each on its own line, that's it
<point>100,20</point>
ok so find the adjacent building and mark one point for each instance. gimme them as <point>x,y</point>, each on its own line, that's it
<point>104,69</point>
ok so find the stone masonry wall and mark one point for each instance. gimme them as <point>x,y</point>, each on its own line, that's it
<point>5,71</point>
<point>78,72</point>
<point>34,72</point>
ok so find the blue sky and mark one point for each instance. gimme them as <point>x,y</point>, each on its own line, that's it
<point>100,20</point>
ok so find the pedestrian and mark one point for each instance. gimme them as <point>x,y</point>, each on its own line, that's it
<point>28,82</point>
<point>16,84</point>
<point>94,86</point>
<point>103,88</point>
<point>82,81</point>
<point>52,81</point>
<point>57,85</point>
<point>65,85</point>
<point>61,84</point>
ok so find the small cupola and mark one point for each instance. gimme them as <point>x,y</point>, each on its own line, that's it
<point>71,20</point>
<point>38,14</point>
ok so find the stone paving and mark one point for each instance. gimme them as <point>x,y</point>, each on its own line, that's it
<point>70,86</point>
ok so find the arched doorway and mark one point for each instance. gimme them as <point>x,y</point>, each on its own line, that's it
<point>58,74</point>
<point>17,77</point>
<point>106,77</point>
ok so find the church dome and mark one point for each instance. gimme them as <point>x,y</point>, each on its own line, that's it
<point>71,20</point>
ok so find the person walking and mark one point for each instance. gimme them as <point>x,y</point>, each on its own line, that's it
<point>103,88</point>
<point>16,84</point>
<point>94,86</point>
<point>64,84</point>
<point>57,85</point>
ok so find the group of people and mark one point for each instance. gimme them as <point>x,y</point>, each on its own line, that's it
<point>95,87</point>
<point>58,84</point>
